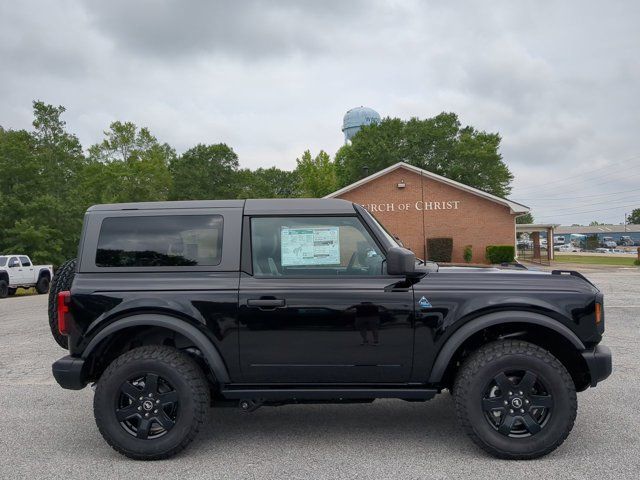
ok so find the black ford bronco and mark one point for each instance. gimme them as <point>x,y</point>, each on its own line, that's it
<point>177,306</point>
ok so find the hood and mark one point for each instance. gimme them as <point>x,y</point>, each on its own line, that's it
<point>506,279</point>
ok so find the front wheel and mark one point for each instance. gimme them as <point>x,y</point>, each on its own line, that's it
<point>150,402</point>
<point>515,400</point>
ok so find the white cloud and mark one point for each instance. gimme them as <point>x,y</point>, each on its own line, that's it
<point>559,82</point>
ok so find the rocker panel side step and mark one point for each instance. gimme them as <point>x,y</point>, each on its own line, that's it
<point>281,394</point>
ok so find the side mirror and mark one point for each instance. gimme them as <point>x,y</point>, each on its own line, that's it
<point>400,261</point>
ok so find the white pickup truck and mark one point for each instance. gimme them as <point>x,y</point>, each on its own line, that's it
<point>17,271</point>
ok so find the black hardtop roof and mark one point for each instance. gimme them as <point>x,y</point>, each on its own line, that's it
<point>298,206</point>
<point>267,206</point>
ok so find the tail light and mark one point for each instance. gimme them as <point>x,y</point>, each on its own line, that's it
<point>64,299</point>
<point>598,313</point>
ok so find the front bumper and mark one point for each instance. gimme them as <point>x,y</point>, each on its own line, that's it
<point>68,372</point>
<point>599,363</point>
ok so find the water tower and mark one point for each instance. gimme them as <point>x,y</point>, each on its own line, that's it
<point>356,118</point>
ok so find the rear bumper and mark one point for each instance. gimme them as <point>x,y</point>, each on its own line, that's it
<point>599,362</point>
<point>68,372</point>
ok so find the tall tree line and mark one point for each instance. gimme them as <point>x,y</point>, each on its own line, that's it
<point>47,179</point>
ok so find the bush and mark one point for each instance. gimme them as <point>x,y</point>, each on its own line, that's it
<point>636,262</point>
<point>501,253</point>
<point>467,254</point>
<point>439,249</point>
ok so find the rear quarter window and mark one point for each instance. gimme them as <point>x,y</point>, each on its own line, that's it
<point>160,241</point>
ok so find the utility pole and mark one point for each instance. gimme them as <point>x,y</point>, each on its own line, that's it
<point>625,222</point>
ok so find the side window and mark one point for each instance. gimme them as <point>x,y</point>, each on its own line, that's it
<point>13,262</point>
<point>160,241</point>
<point>25,262</point>
<point>313,246</point>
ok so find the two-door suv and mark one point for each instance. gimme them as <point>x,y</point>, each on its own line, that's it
<point>177,306</point>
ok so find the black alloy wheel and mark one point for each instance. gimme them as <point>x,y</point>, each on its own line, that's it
<point>151,401</point>
<point>517,404</point>
<point>147,406</point>
<point>515,399</point>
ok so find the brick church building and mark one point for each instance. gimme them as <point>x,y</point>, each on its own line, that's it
<point>415,205</point>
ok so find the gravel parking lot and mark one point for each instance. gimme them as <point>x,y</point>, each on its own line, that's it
<point>48,432</point>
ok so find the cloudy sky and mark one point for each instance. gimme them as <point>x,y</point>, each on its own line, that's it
<point>560,81</point>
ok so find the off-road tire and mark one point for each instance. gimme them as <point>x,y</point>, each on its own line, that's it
<point>43,285</point>
<point>62,280</point>
<point>508,355</point>
<point>187,379</point>
<point>4,289</point>
<point>12,291</point>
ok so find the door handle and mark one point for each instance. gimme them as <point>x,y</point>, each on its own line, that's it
<point>266,302</point>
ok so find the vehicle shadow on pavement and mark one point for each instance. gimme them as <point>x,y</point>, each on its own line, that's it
<point>352,424</point>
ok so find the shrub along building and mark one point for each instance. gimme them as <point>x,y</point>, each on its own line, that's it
<point>418,206</point>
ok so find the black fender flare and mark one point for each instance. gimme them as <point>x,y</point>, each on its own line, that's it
<point>198,338</point>
<point>477,324</point>
<point>44,272</point>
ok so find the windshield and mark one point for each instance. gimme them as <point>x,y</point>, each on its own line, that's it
<point>391,238</point>
<point>3,261</point>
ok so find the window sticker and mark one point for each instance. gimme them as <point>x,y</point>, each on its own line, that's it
<point>310,246</point>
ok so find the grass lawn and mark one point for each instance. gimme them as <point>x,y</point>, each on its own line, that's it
<point>625,260</point>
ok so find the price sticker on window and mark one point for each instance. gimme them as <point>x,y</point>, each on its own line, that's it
<point>310,246</point>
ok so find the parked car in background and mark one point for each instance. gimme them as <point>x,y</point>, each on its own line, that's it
<point>524,244</point>
<point>567,247</point>
<point>559,240</point>
<point>608,242</point>
<point>18,271</point>
<point>626,241</point>
<point>602,250</point>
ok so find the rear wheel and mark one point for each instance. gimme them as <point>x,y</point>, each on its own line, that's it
<point>42,286</point>
<point>515,400</point>
<point>62,280</point>
<point>12,291</point>
<point>150,402</point>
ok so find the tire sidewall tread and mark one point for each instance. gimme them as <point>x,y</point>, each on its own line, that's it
<point>62,280</point>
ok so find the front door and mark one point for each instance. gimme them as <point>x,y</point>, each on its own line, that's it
<point>16,273</point>
<point>27,272</point>
<point>319,306</point>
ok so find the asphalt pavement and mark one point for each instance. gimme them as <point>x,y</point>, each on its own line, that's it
<point>48,432</point>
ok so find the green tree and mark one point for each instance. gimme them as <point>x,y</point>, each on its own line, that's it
<point>595,223</point>
<point>526,218</point>
<point>40,201</point>
<point>317,175</point>
<point>205,172</point>
<point>130,165</point>
<point>634,217</point>
<point>267,183</point>
<point>438,144</point>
